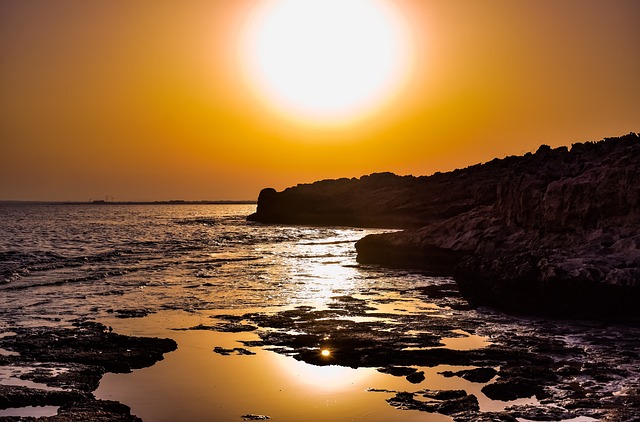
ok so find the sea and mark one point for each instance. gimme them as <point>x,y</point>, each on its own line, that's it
<point>158,269</point>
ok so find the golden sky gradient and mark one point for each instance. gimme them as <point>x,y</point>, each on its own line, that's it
<point>150,100</point>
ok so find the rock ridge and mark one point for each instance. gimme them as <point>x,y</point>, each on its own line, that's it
<point>557,230</point>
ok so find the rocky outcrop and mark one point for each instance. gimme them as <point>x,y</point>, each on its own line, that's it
<point>66,365</point>
<point>558,230</point>
<point>377,200</point>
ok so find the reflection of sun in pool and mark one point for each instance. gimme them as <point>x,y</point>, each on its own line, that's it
<point>325,60</point>
<point>323,378</point>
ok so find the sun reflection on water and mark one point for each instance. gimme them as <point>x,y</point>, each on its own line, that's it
<point>321,270</point>
<point>322,379</point>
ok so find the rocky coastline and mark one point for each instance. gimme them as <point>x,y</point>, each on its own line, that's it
<point>62,367</point>
<point>555,231</point>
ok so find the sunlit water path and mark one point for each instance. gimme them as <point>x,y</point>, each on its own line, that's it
<point>161,270</point>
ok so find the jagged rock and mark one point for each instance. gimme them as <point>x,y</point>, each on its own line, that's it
<point>131,313</point>
<point>84,410</point>
<point>555,231</point>
<point>397,371</point>
<point>235,351</point>
<point>481,375</point>
<point>19,396</point>
<point>584,367</point>
<point>407,401</point>
<point>540,413</point>
<point>88,343</point>
<point>94,410</point>
<point>443,394</point>
<point>75,359</point>
<point>511,389</point>
<point>229,327</point>
<point>483,417</point>
<point>416,377</point>
<point>66,375</point>
<point>252,417</point>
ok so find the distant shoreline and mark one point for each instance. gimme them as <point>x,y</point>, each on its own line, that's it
<point>100,202</point>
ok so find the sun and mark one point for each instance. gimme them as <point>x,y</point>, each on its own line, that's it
<point>325,60</point>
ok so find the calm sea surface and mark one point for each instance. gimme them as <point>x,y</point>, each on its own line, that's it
<point>149,269</point>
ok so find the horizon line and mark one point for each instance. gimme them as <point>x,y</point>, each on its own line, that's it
<point>157,202</point>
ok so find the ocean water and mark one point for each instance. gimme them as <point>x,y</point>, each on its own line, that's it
<point>155,270</point>
<point>64,261</point>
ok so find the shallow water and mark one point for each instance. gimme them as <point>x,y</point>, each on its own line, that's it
<point>194,383</point>
<point>151,269</point>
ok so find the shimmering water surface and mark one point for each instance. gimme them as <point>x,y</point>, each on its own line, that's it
<point>100,259</point>
<point>151,269</point>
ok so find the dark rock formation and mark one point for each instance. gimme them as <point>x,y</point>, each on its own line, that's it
<point>573,368</point>
<point>377,200</point>
<point>94,410</point>
<point>511,390</point>
<point>416,377</point>
<point>83,411</point>
<point>481,375</point>
<point>444,394</point>
<point>70,362</point>
<point>555,231</point>
<point>230,327</point>
<point>235,351</point>
<point>450,406</point>
<point>398,371</point>
<point>252,417</point>
<point>18,396</point>
<point>89,343</point>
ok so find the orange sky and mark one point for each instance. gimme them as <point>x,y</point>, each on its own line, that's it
<point>147,100</point>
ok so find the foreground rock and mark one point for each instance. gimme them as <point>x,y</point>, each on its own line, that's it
<point>567,368</point>
<point>69,363</point>
<point>557,231</point>
<point>84,411</point>
<point>449,406</point>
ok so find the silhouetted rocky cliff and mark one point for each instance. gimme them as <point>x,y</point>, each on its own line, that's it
<point>557,230</point>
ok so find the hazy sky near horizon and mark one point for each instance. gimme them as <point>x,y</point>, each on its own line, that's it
<point>162,99</point>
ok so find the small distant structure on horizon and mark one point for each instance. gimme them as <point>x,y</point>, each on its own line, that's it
<point>111,200</point>
<point>106,199</point>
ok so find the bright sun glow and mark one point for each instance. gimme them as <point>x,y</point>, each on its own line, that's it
<point>325,60</point>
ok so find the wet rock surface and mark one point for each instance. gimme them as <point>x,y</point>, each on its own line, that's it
<point>451,406</point>
<point>69,363</point>
<point>235,351</point>
<point>18,396</point>
<point>89,343</point>
<point>512,389</point>
<point>398,371</point>
<point>229,327</point>
<point>481,375</point>
<point>67,375</point>
<point>566,368</point>
<point>84,411</point>
<point>541,413</point>
<point>131,313</point>
<point>569,368</point>
<point>416,378</point>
